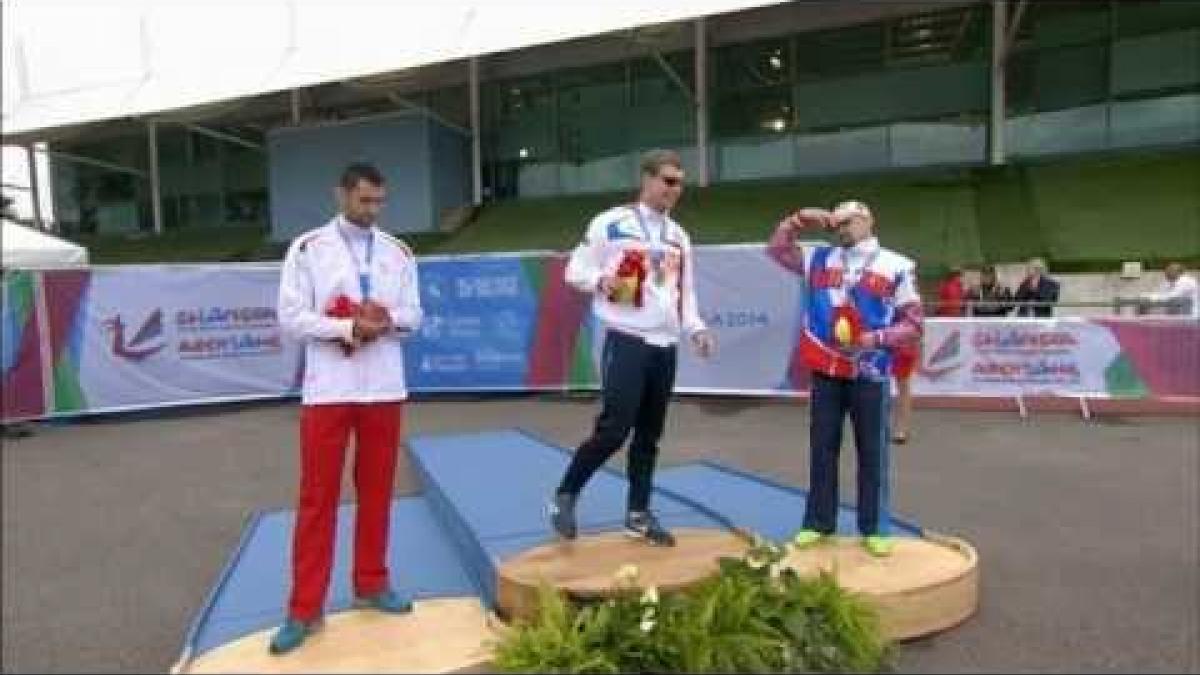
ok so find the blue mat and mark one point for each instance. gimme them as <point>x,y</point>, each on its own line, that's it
<point>252,592</point>
<point>491,490</point>
<point>758,504</point>
<point>484,502</point>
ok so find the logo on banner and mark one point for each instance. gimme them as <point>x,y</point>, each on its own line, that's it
<point>738,318</point>
<point>1024,341</point>
<point>944,360</point>
<point>228,332</point>
<point>146,342</point>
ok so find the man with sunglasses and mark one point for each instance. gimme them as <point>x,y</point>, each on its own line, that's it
<point>861,306</point>
<point>637,264</point>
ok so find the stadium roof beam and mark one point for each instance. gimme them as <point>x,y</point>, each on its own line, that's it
<point>995,138</point>
<point>425,110</point>
<point>155,182</point>
<point>35,192</point>
<point>385,90</point>
<point>701,101</point>
<point>89,161</point>
<point>635,37</point>
<point>222,136</point>
<point>476,144</point>
<point>294,100</point>
<point>1015,26</point>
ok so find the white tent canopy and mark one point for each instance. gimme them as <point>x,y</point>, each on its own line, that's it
<point>27,248</point>
<point>159,56</point>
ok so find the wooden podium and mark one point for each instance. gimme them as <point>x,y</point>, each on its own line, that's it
<point>927,584</point>
<point>438,636</point>
<point>585,567</point>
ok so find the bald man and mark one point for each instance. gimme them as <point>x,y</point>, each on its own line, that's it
<point>862,306</point>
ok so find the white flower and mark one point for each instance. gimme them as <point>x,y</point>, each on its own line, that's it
<point>647,625</point>
<point>626,573</point>
<point>650,596</point>
<point>777,570</point>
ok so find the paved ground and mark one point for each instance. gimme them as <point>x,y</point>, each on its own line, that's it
<point>114,531</point>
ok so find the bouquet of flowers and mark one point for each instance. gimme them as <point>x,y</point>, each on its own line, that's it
<point>631,275</point>
<point>343,307</point>
<point>847,327</point>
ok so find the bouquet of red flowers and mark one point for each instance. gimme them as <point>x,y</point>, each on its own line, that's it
<point>631,275</point>
<point>343,307</point>
<point>371,319</point>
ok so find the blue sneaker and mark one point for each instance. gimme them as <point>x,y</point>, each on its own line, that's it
<point>292,634</point>
<point>386,601</point>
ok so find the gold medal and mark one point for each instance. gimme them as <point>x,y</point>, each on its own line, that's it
<point>842,332</point>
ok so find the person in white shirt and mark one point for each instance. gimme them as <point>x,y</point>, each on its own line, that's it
<point>637,264</point>
<point>1178,293</point>
<point>349,292</point>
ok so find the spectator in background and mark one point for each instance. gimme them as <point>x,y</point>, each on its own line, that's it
<point>1037,293</point>
<point>951,294</point>
<point>1178,294</point>
<point>905,362</point>
<point>990,297</point>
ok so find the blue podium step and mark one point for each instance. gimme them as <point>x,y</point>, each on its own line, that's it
<point>491,490</point>
<point>251,593</point>
<point>758,504</point>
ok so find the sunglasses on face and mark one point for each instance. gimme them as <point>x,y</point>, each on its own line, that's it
<point>672,181</point>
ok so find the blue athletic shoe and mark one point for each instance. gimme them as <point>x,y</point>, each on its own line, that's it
<point>386,601</point>
<point>292,634</point>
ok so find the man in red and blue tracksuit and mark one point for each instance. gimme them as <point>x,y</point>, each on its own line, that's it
<point>862,305</point>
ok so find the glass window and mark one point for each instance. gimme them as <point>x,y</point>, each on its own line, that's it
<point>840,52</point>
<point>521,98</point>
<point>1155,16</point>
<point>941,36</point>
<point>763,111</point>
<point>653,86</point>
<point>604,86</point>
<point>757,64</point>
<point>453,104</point>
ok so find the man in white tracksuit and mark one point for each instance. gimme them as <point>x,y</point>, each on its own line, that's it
<point>349,292</point>
<point>637,263</point>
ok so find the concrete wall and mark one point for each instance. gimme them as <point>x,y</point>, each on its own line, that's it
<point>422,163</point>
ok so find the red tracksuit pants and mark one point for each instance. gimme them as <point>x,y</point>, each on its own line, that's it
<point>324,432</point>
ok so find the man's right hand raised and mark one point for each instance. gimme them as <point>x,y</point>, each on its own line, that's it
<point>809,218</point>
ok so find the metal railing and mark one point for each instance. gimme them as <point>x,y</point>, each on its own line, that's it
<point>1118,306</point>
